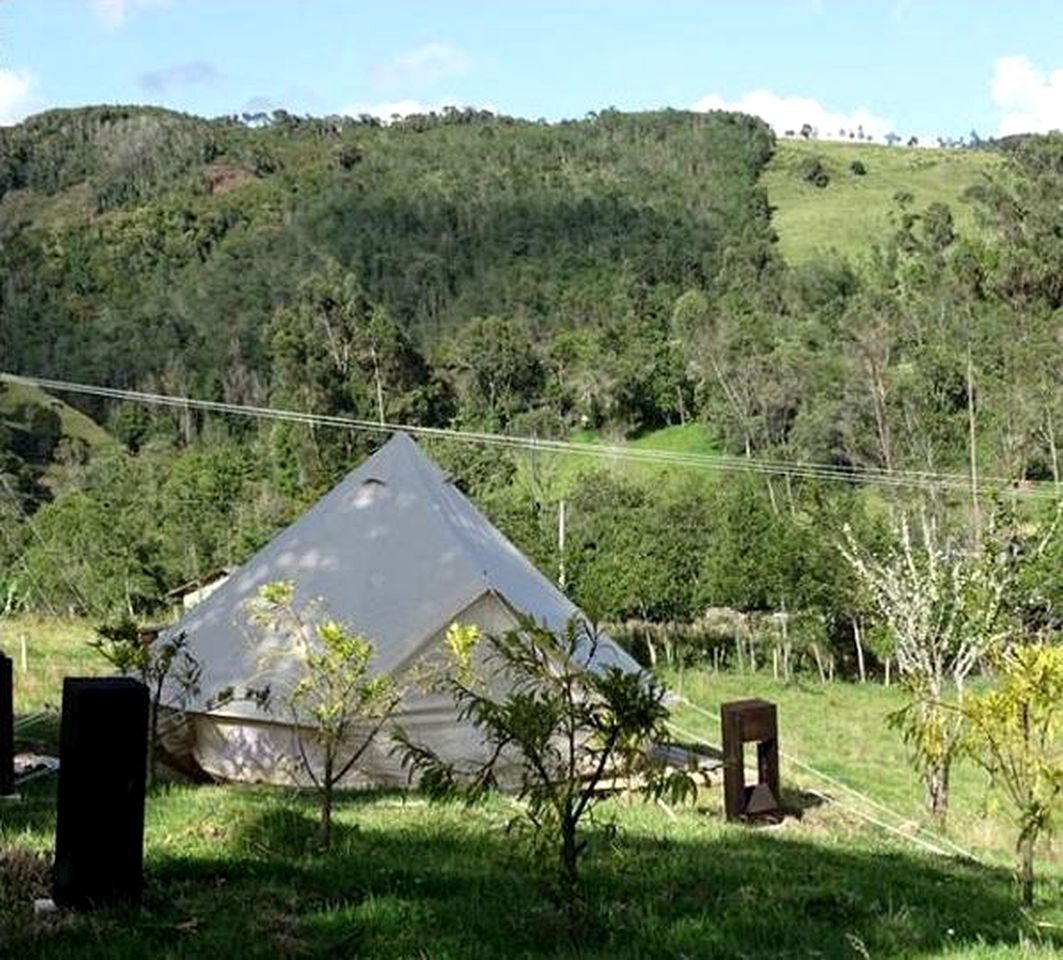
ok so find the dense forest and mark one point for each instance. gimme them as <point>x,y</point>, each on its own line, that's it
<point>602,278</point>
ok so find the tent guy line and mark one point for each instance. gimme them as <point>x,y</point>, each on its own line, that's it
<point>796,469</point>
<point>919,837</point>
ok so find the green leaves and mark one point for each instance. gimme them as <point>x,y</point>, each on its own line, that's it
<point>337,704</point>
<point>1014,734</point>
<point>543,705</point>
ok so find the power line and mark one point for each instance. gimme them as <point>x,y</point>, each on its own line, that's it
<point>921,833</point>
<point>916,479</point>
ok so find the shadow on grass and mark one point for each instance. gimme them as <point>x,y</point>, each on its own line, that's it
<point>795,802</point>
<point>37,733</point>
<point>423,882</point>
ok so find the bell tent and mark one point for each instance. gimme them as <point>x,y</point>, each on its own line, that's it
<point>396,552</point>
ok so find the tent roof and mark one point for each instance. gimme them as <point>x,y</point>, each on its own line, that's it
<point>397,552</point>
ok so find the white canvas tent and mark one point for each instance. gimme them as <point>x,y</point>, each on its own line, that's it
<point>396,552</point>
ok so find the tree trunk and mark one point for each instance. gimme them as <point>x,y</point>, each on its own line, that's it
<point>379,387</point>
<point>819,662</point>
<point>1050,434</point>
<point>859,650</point>
<point>787,647</point>
<point>972,453</point>
<point>1025,874</point>
<point>771,497</point>
<point>327,785</point>
<point>569,858</point>
<point>937,785</point>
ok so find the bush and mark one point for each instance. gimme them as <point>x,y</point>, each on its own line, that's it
<point>812,171</point>
<point>857,167</point>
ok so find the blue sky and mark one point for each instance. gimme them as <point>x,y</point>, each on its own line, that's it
<point>913,66</point>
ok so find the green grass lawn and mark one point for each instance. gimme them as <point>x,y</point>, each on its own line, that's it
<point>235,871</point>
<point>852,211</point>
<point>54,649</point>
<point>563,468</point>
<point>840,729</point>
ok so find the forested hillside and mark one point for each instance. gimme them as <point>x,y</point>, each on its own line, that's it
<point>608,277</point>
<point>149,244</point>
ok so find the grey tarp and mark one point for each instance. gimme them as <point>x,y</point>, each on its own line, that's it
<point>396,552</point>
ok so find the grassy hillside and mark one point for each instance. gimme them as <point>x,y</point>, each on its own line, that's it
<point>75,424</point>
<point>677,440</point>
<point>43,443</point>
<point>851,212</point>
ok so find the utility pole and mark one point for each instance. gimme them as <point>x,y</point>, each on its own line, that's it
<point>971,442</point>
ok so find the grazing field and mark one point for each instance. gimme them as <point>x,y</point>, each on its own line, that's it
<point>840,730</point>
<point>853,211</point>
<point>53,649</point>
<point>236,871</point>
<point>678,440</point>
<point>75,424</point>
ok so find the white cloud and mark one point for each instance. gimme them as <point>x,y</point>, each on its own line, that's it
<point>791,113</point>
<point>17,99</point>
<point>112,13</point>
<point>404,108</point>
<point>425,66</point>
<point>1032,99</point>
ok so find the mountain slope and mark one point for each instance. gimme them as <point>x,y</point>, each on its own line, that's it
<point>853,211</point>
<point>138,240</point>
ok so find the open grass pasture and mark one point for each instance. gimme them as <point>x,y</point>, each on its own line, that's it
<point>53,649</point>
<point>560,470</point>
<point>236,871</point>
<point>75,424</point>
<point>853,211</point>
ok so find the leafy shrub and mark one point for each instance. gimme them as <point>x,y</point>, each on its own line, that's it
<point>858,167</point>
<point>813,171</point>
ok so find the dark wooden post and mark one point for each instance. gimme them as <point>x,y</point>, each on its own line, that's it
<point>746,721</point>
<point>734,771</point>
<point>7,729</point>
<point>99,837</point>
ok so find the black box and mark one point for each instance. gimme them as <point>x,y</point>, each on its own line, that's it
<point>99,835</point>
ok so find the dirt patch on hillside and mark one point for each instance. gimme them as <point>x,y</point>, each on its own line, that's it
<point>223,177</point>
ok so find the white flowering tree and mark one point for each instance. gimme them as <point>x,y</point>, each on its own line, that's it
<point>940,601</point>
